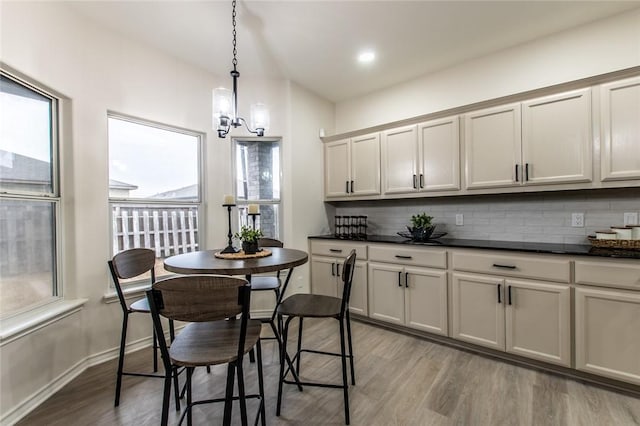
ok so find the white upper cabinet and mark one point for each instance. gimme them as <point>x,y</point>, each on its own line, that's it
<point>421,158</point>
<point>493,147</point>
<point>620,130</point>
<point>557,138</point>
<point>352,167</point>
<point>439,155</point>
<point>399,165</point>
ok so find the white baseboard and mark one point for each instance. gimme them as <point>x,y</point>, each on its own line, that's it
<point>40,396</point>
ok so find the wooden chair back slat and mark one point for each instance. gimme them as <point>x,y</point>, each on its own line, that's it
<point>133,262</point>
<point>270,242</point>
<point>197,298</point>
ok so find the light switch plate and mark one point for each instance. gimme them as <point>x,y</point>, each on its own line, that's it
<point>459,219</point>
<point>577,220</point>
<point>631,218</point>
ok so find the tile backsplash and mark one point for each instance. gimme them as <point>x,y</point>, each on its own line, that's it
<point>539,217</point>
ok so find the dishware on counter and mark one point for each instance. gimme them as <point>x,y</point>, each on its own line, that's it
<point>606,235</point>
<point>622,232</point>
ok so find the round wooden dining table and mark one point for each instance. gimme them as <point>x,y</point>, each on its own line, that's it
<point>205,262</point>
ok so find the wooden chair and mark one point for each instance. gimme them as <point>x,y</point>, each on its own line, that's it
<point>124,265</point>
<point>210,303</point>
<point>319,306</point>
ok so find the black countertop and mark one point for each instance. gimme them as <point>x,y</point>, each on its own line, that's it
<point>531,247</point>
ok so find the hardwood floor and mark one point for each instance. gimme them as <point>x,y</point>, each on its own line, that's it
<point>400,380</point>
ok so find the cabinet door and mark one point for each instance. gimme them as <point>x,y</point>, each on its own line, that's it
<point>439,155</point>
<point>493,146</point>
<point>556,138</point>
<point>478,310</point>
<point>426,300</point>
<point>365,165</point>
<point>399,153</point>
<point>337,158</point>
<point>323,276</point>
<point>386,293</point>
<point>358,301</point>
<point>538,321</point>
<point>608,333</point>
<point>620,141</point>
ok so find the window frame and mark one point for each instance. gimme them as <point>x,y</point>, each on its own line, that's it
<point>198,203</point>
<point>53,197</point>
<point>242,204</point>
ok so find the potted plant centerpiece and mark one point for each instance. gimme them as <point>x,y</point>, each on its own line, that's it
<point>249,238</point>
<point>422,228</point>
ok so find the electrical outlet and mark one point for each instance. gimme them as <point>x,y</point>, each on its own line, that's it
<point>577,220</point>
<point>631,218</point>
<point>459,219</point>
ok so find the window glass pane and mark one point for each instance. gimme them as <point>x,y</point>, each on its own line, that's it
<point>257,170</point>
<point>147,162</point>
<point>268,220</point>
<point>25,139</point>
<point>27,253</point>
<point>167,229</point>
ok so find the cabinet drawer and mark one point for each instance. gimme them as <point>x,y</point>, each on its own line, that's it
<point>339,249</point>
<point>608,274</point>
<point>435,258</point>
<point>536,266</point>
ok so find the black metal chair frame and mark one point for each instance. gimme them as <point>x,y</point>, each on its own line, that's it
<point>244,296</point>
<point>342,317</point>
<point>126,311</point>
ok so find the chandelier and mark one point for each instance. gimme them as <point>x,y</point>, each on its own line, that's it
<point>225,102</point>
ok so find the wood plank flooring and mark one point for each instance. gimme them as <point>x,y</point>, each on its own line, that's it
<point>400,380</point>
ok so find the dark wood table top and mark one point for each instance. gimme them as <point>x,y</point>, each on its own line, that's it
<point>204,262</point>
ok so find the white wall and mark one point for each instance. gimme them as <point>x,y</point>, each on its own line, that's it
<point>593,49</point>
<point>99,71</point>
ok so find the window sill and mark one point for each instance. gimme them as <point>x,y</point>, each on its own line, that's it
<point>130,292</point>
<point>21,325</point>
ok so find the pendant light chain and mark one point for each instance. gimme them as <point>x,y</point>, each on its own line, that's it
<point>235,51</point>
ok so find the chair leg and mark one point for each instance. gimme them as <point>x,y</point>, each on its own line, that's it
<point>283,352</point>
<point>123,339</point>
<point>345,383</point>
<point>165,398</point>
<point>353,374</point>
<point>299,353</point>
<point>189,411</point>
<point>226,421</point>
<point>241,393</point>
<point>155,350</point>
<point>252,356</point>
<point>172,331</point>
<point>176,386</point>
<point>261,383</point>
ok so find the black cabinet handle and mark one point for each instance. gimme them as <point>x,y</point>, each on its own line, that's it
<point>406,279</point>
<point>499,293</point>
<point>421,180</point>
<point>526,171</point>
<point>347,190</point>
<point>333,273</point>
<point>400,279</point>
<point>517,173</point>
<point>509,291</point>
<point>497,265</point>
<point>337,269</point>
<point>415,182</point>
<point>403,257</point>
<point>335,250</point>
<point>352,187</point>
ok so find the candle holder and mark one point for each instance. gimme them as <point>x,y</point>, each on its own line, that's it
<point>253,218</point>
<point>229,248</point>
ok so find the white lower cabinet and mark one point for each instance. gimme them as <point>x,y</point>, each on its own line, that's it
<point>527,318</point>
<point>326,278</point>
<point>608,333</point>
<point>411,296</point>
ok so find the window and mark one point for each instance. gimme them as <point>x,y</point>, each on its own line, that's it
<point>154,187</point>
<point>257,181</point>
<point>29,196</point>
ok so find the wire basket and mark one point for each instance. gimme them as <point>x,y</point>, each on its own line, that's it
<point>615,244</point>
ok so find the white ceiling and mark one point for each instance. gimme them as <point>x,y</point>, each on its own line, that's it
<point>315,43</point>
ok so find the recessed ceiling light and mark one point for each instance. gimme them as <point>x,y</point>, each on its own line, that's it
<point>366,57</point>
